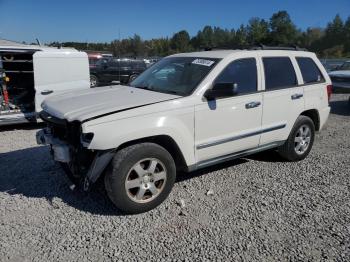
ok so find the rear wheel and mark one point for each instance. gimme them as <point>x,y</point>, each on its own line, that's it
<point>93,81</point>
<point>140,177</point>
<point>300,140</point>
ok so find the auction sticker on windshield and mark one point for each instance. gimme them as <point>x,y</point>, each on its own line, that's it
<point>204,62</point>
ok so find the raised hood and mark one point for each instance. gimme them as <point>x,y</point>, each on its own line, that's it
<point>85,104</point>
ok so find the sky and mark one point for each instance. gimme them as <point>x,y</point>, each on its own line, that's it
<point>101,21</point>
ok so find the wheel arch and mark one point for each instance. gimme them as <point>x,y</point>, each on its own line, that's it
<point>315,117</point>
<point>166,142</point>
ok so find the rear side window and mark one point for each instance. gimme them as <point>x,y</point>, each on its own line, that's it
<point>309,70</point>
<point>279,73</point>
<point>242,72</point>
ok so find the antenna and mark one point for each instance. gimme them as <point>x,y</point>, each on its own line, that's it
<point>38,41</point>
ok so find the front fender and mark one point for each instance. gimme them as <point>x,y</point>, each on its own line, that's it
<point>177,124</point>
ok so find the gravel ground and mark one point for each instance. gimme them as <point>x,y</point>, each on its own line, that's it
<point>258,208</point>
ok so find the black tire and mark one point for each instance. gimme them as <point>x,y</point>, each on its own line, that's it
<point>94,82</point>
<point>120,168</point>
<point>132,77</point>
<point>288,149</point>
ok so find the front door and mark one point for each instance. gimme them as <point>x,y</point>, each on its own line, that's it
<point>229,125</point>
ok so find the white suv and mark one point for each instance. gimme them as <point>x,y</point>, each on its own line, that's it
<point>186,112</point>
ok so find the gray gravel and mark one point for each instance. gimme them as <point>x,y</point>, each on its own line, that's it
<point>259,208</point>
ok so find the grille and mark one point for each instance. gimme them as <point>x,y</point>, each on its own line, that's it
<point>62,129</point>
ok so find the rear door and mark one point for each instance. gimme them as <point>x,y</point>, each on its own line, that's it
<point>59,71</point>
<point>110,71</point>
<point>283,98</point>
<point>314,83</point>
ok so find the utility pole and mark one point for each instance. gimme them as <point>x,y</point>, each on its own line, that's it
<point>118,51</point>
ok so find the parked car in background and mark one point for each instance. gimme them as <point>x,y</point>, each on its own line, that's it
<point>94,57</point>
<point>187,112</point>
<point>331,64</point>
<point>35,72</point>
<point>3,89</point>
<point>341,78</point>
<point>150,61</point>
<point>114,69</point>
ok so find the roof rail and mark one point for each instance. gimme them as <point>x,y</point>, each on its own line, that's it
<point>257,47</point>
<point>290,48</point>
<point>212,48</point>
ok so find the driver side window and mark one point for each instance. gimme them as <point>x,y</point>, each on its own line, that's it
<point>243,73</point>
<point>164,73</point>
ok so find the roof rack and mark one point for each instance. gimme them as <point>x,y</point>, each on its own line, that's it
<point>257,47</point>
<point>290,48</point>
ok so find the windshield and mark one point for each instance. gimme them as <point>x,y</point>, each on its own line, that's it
<point>175,75</point>
<point>345,66</point>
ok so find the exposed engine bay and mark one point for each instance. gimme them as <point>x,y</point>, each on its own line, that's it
<point>68,146</point>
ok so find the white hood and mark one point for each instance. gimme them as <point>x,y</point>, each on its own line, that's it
<point>81,105</point>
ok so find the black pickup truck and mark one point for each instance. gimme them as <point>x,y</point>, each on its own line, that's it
<point>107,70</point>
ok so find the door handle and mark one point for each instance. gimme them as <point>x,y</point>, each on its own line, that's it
<point>46,92</point>
<point>252,104</point>
<point>296,96</point>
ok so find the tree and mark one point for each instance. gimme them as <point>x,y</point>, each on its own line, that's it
<point>258,31</point>
<point>180,41</point>
<point>283,31</point>
<point>334,38</point>
<point>205,37</point>
<point>240,39</point>
<point>347,37</point>
<point>332,41</point>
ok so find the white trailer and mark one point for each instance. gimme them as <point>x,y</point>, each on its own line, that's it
<point>35,73</point>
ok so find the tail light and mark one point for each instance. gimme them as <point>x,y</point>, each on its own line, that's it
<point>6,96</point>
<point>329,91</point>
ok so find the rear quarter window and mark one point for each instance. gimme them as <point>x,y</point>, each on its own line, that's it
<point>279,73</point>
<point>309,70</point>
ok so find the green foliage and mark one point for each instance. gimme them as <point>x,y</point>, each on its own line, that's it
<point>180,41</point>
<point>332,41</point>
<point>282,30</point>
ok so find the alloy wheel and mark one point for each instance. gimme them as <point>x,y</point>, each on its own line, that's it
<point>146,180</point>
<point>302,139</point>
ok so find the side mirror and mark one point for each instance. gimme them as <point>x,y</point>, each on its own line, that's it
<point>221,90</point>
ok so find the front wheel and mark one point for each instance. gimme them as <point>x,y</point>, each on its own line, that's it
<point>133,77</point>
<point>140,177</point>
<point>300,140</point>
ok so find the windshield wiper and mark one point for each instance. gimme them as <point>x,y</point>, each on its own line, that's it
<point>171,92</point>
<point>158,90</point>
<point>142,87</point>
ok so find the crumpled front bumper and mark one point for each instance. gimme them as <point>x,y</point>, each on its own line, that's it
<point>60,149</point>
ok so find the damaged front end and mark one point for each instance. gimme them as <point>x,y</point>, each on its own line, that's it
<point>69,147</point>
